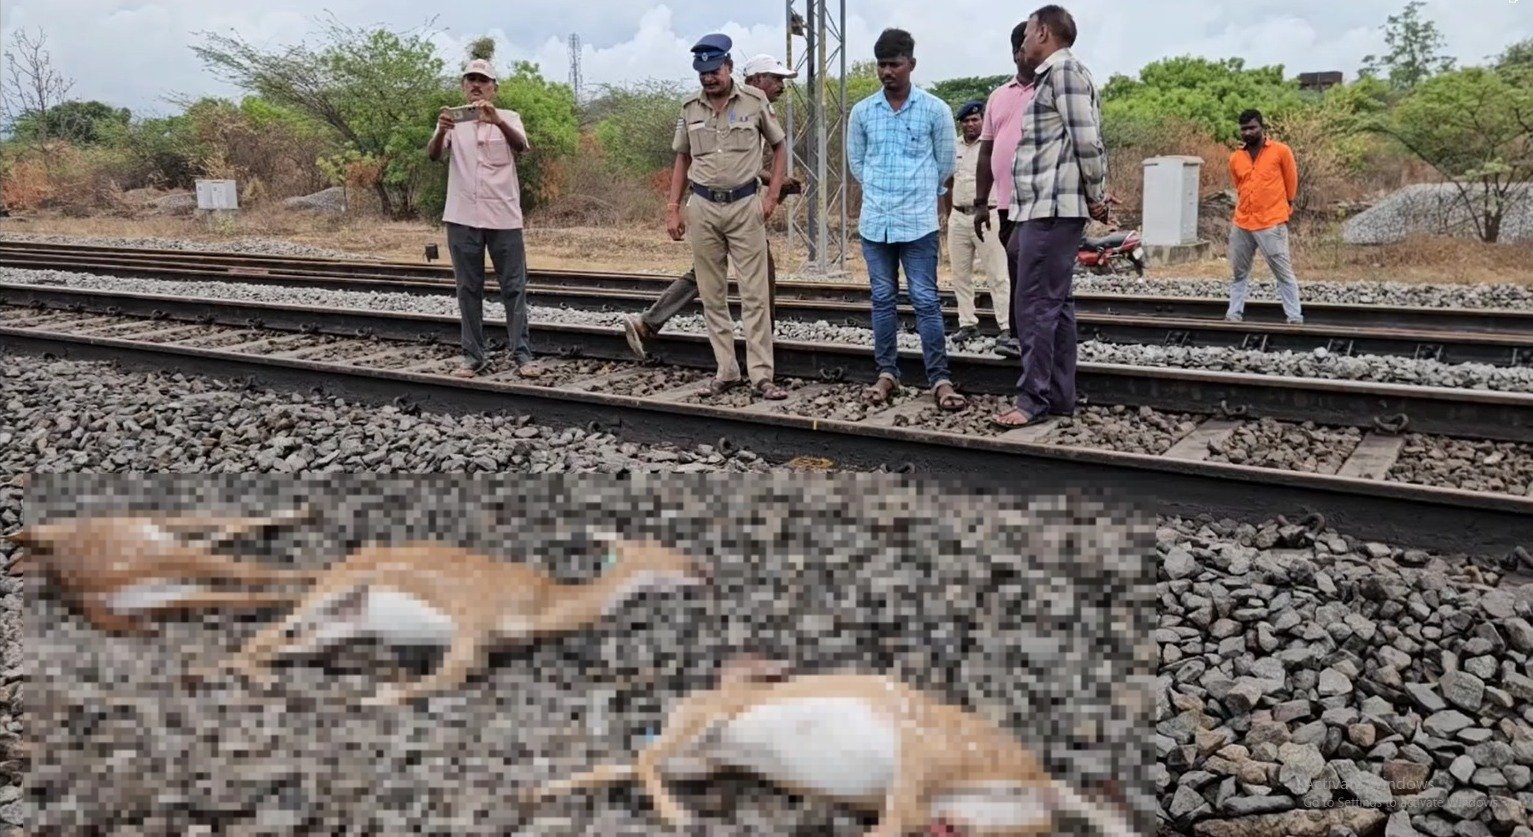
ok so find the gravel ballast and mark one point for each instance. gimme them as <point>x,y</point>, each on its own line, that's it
<point>1290,446</point>
<point>1505,467</point>
<point>1307,677</point>
<point>67,416</point>
<point>1442,295</point>
<point>1318,363</point>
<point>1238,605</point>
<point>860,573</point>
<point>1500,467</point>
<point>1445,295</point>
<point>1122,429</point>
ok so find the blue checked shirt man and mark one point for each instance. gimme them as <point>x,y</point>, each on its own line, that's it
<point>900,146</point>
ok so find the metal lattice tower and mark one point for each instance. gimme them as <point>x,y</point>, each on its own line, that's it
<point>816,126</point>
<point>575,79</point>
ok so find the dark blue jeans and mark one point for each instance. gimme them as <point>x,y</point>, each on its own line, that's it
<point>919,258</point>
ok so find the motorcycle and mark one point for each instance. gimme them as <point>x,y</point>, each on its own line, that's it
<point>1112,254</point>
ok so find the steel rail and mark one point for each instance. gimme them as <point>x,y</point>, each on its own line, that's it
<point>1497,349</point>
<point>1432,518</point>
<point>244,267</point>
<point>1478,414</point>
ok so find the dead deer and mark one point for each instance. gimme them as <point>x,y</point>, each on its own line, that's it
<point>431,594</point>
<point>121,571</point>
<point>866,741</point>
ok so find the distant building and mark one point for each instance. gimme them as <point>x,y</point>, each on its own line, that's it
<point>1319,81</point>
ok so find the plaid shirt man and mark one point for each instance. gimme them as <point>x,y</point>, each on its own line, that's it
<point>901,159</point>
<point>1061,167</point>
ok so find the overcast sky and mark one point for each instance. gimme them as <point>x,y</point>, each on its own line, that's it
<point>134,54</point>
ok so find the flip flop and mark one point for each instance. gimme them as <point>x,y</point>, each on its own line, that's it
<point>1027,421</point>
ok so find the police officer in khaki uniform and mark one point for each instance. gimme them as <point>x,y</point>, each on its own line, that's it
<point>718,149</point>
<point>768,75</point>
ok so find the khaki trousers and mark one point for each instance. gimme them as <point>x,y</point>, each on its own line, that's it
<point>962,246</point>
<point>718,233</point>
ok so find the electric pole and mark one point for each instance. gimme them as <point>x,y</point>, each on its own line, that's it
<point>575,80</point>
<point>816,127</point>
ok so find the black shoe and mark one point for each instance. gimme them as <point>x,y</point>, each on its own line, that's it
<point>1006,346</point>
<point>965,333</point>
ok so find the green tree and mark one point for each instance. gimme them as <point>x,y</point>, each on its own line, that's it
<point>376,89</point>
<point>549,111</point>
<point>1516,62</point>
<point>1205,92</point>
<point>1415,50</point>
<point>636,123</point>
<point>861,82</point>
<point>957,91</point>
<point>80,123</point>
<point>165,149</point>
<point>263,113</point>
<point>1475,127</point>
<point>380,92</point>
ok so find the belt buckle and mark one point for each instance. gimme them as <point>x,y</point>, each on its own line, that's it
<point>720,195</point>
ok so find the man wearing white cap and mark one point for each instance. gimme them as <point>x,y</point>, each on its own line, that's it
<point>766,74</point>
<point>484,213</point>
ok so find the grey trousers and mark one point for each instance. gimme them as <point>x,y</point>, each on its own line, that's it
<point>1273,244</point>
<point>508,254</point>
<point>683,292</point>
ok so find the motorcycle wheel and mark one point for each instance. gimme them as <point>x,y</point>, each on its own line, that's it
<point>1138,266</point>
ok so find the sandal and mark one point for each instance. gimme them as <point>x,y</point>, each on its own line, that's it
<point>717,387</point>
<point>881,391</point>
<point>950,402</point>
<point>771,391</point>
<point>468,369</point>
<point>637,333</point>
<point>1005,420</point>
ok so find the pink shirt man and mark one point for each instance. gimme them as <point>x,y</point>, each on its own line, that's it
<point>1004,112</point>
<point>482,188</point>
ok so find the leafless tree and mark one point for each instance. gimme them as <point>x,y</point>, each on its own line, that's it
<point>32,84</point>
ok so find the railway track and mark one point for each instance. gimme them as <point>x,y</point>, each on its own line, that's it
<point>1489,336</point>
<point>380,357</point>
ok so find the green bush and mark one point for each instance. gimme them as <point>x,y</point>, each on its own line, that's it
<point>1210,94</point>
<point>637,123</point>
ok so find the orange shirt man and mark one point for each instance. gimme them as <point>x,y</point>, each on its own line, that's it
<point>1266,183</point>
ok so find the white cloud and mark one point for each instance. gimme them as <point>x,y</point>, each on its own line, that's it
<point>137,53</point>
